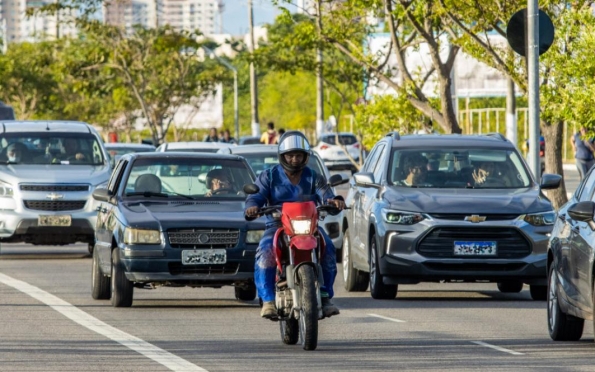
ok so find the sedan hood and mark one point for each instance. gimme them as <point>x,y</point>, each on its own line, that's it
<point>54,173</point>
<point>500,201</point>
<point>164,215</point>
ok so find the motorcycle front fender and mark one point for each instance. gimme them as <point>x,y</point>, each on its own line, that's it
<point>304,242</point>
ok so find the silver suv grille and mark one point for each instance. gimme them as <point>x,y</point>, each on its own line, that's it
<point>204,238</point>
<point>440,241</point>
<point>60,188</point>
<point>61,205</point>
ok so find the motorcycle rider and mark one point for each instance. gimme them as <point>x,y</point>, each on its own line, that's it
<point>291,181</point>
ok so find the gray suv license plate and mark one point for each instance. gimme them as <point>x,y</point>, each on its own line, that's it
<point>475,248</point>
<point>204,257</point>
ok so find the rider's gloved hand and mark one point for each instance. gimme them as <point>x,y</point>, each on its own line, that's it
<point>251,211</point>
<point>337,203</point>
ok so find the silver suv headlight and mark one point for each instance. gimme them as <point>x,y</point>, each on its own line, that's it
<point>539,219</point>
<point>402,217</point>
<point>6,190</point>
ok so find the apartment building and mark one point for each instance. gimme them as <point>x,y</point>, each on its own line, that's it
<point>15,26</point>
<point>203,15</point>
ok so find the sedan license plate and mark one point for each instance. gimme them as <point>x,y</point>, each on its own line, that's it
<point>475,248</point>
<point>204,257</point>
<point>57,220</point>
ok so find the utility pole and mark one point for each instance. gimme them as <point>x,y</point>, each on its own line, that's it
<point>253,82</point>
<point>511,119</point>
<point>319,81</point>
<point>533,89</point>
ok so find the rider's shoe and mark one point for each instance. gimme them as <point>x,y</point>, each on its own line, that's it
<point>328,307</point>
<point>268,310</point>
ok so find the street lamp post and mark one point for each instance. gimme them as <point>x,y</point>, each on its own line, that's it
<point>236,116</point>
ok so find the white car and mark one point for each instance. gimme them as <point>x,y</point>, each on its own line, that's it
<point>195,146</point>
<point>334,147</point>
<point>262,157</point>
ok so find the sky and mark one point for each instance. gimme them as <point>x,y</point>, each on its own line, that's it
<point>235,15</point>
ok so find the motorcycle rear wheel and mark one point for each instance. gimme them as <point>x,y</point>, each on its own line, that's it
<point>290,331</point>
<point>309,310</point>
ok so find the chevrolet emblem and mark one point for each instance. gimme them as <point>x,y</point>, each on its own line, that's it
<point>475,218</point>
<point>54,196</point>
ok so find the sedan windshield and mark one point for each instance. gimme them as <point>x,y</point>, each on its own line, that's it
<point>458,168</point>
<point>50,148</point>
<point>187,178</point>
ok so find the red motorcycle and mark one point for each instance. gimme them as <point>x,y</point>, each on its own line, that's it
<point>298,251</point>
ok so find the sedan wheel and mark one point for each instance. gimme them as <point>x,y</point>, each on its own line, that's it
<point>122,288</point>
<point>355,280</point>
<point>100,283</point>
<point>378,289</point>
<point>562,327</point>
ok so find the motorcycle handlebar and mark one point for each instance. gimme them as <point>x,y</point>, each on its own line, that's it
<point>274,208</point>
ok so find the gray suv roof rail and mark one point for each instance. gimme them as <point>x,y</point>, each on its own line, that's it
<point>394,135</point>
<point>499,136</point>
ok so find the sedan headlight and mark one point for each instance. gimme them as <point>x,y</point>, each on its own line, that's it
<point>254,236</point>
<point>137,236</point>
<point>402,218</point>
<point>540,219</point>
<point>6,190</point>
<point>301,227</point>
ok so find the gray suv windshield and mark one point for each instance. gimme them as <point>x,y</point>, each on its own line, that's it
<point>50,148</point>
<point>458,168</point>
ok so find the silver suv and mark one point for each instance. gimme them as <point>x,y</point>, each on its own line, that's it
<point>48,172</point>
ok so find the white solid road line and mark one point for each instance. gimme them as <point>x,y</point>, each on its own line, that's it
<point>481,343</point>
<point>150,351</point>
<point>387,318</point>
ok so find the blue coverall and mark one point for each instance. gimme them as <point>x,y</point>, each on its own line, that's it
<point>275,189</point>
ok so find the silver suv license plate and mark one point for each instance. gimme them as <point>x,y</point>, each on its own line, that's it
<point>204,257</point>
<point>54,220</point>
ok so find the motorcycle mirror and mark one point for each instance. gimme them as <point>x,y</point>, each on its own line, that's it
<point>251,188</point>
<point>337,180</point>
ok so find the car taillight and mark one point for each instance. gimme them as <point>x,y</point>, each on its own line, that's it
<point>324,147</point>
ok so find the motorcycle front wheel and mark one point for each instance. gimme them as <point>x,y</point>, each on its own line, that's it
<point>309,310</point>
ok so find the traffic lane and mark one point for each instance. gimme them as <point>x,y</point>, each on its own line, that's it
<point>212,330</point>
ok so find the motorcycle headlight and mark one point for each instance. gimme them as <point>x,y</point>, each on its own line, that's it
<point>402,218</point>
<point>6,190</point>
<point>138,236</point>
<point>301,227</point>
<point>540,219</point>
<point>254,236</point>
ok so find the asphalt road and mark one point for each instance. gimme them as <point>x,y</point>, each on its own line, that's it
<point>51,323</point>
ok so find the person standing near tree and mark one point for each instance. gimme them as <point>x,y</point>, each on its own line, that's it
<point>270,136</point>
<point>583,151</point>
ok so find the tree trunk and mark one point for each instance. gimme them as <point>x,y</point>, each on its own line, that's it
<point>451,124</point>
<point>552,134</point>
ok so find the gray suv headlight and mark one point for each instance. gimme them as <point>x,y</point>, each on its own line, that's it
<point>539,219</point>
<point>401,217</point>
<point>6,190</point>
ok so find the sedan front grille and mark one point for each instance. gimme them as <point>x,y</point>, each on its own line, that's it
<point>59,188</point>
<point>203,238</point>
<point>440,241</point>
<point>55,206</point>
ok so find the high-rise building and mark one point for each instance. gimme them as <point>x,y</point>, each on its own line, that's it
<point>187,15</point>
<point>15,26</point>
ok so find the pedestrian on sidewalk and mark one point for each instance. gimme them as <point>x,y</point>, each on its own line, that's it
<point>583,147</point>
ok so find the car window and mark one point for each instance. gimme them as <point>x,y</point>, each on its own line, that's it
<point>116,176</point>
<point>587,188</point>
<point>372,158</point>
<point>344,139</point>
<point>52,148</point>
<point>127,150</point>
<point>379,164</point>
<point>187,178</point>
<point>458,168</point>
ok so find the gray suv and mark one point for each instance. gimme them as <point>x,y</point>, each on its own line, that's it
<point>429,208</point>
<point>48,172</point>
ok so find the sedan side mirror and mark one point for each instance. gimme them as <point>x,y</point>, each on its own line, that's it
<point>583,211</point>
<point>337,180</point>
<point>101,194</point>
<point>251,188</point>
<point>364,179</point>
